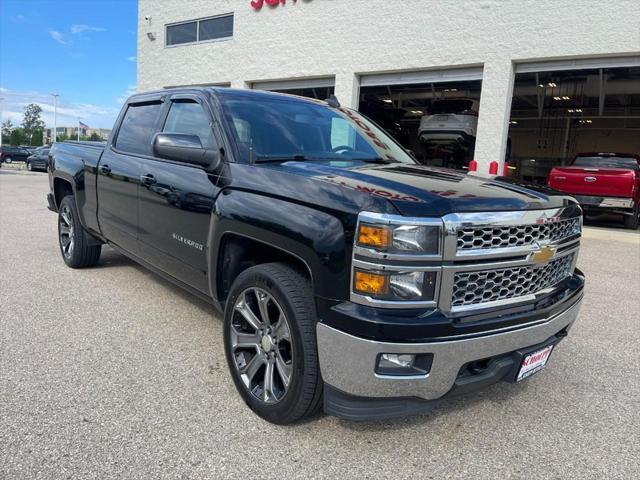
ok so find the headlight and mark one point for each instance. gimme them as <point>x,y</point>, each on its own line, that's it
<point>395,286</point>
<point>419,239</point>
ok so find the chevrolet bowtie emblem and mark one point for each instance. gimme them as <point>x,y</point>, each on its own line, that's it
<point>543,255</point>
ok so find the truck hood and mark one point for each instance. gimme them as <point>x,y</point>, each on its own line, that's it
<point>417,190</point>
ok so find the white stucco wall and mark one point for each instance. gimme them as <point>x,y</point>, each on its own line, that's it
<point>349,38</point>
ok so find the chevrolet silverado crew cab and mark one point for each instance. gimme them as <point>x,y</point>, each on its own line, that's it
<point>603,182</point>
<point>351,278</point>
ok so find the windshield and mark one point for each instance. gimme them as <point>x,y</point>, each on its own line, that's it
<point>607,162</point>
<point>287,128</point>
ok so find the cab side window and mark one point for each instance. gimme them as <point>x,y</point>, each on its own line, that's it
<point>138,126</point>
<point>187,116</point>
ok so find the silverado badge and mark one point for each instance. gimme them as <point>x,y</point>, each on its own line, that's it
<point>543,255</point>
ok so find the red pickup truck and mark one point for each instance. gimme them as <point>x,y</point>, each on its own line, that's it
<point>602,182</point>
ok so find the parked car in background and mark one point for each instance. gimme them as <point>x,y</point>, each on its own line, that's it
<point>10,154</point>
<point>450,124</point>
<point>38,160</point>
<point>602,182</point>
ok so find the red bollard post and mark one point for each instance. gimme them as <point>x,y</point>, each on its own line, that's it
<point>493,168</point>
<point>473,166</point>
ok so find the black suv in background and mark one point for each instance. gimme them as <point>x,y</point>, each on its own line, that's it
<point>10,154</point>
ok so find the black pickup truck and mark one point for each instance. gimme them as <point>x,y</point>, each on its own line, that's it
<point>350,277</point>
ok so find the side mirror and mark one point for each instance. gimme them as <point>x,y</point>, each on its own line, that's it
<point>185,148</point>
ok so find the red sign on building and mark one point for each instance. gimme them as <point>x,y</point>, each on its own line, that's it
<point>258,4</point>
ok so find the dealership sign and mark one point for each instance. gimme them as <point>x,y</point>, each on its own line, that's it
<point>258,4</point>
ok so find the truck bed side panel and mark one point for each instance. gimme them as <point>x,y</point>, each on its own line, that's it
<point>77,164</point>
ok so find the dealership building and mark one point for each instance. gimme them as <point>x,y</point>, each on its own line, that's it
<point>539,81</point>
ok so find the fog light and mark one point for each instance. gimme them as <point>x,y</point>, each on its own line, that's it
<point>392,360</point>
<point>399,364</point>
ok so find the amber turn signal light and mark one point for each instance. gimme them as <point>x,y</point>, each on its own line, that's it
<point>374,236</point>
<point>370,283</point>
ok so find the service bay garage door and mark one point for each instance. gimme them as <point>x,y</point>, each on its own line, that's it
<point>563,108</point>
<point>319,88</point>
<point>433,113</point>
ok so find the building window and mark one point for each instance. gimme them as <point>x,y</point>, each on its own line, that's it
<point>183,33</point>
<point>206,29</point>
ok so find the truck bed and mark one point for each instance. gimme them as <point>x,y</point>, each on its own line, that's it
<point>600,182</point>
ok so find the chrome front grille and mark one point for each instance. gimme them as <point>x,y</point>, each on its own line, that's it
<point>486,259</point>
<point>471,288</point>
<point>472,238</point>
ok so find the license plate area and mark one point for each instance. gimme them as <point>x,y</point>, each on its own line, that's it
<point>534,362</point>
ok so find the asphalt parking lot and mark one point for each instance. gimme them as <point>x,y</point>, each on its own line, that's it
<point>112,372</point>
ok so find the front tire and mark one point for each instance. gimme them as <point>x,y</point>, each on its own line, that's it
<point>270,343</point>
<point>8,159</point>
<point>75,247</point>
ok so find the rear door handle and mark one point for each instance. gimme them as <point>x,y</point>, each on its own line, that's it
<point>106,169</point>
<point>148,179</point>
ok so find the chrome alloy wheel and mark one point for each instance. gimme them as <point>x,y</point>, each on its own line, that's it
<point>261,345</point>
<point>65,231</point>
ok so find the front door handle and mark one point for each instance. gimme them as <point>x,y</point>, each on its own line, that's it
<point>148,179</point>
<point>105,169</point>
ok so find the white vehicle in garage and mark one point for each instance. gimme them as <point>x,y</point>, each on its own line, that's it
<point>450,125</point>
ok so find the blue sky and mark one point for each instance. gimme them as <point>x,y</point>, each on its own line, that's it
<point>85,50</point>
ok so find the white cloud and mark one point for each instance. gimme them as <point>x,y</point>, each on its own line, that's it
<point>131,89</point>
<point>97,116</point>
<point>58,37</point>
<point>76,29</point>
<point>132,58</point>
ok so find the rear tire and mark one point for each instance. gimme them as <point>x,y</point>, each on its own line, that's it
<point>75,247</point>
<point>632,221</point>
<point>8,159</point>
<point>273,362</point>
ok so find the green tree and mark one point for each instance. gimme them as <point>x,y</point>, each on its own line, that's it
<point>31,122</point>
<point>6,128</point>
<point>37,139</point>
<point>17,136</point>
<point>94,137</point>
<point>62,138</point>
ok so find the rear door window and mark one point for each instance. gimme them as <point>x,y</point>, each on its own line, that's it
<point>138,126</point>
<point>188,116</point>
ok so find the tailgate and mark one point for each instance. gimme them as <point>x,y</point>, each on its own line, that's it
<point>601,182</point>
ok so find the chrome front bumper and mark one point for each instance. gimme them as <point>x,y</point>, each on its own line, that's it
<point>605,202</point>
<point>348,363</point>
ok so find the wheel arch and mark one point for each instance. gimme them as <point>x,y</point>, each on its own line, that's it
<point>239,252</point>
<point>249,228</point>
<point>61,188</point>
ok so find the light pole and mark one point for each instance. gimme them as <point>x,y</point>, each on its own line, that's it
<point>55,116</point>
<point>78,129</point>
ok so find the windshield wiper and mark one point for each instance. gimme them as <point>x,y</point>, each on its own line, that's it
<point>304,158</point>
<point>290,158</point>
<point>376,160</point>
